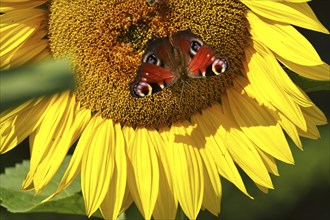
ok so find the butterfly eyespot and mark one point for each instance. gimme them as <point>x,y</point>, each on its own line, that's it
<point>142,89</point>
<point>194,47</point>
<point>152,59</point>
<point>220,66</point>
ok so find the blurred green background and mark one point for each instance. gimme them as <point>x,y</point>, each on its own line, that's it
<point>301,192</point>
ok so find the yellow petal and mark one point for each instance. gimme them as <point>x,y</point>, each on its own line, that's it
<point>14,34</point>
<point>30,49</point>
<point>187,168</point>
<point>127,201</point>
<point>216,147</point>
<point>111,206</point>
<point>28,182</point>
<point>7,114</point>
<point>57,144</point>
<point>45,134</point>
<point>315,114</point>
<point>98,166</point>
<point>129,134</point>
<point>269,162</point>
<point>143,172</point>
<point>83,146</point>
<point>166,204</point>
<point>264,87</point>
<point>74,127</point>
<point>284,40</point>
<point>19,124</point>
<point>257,124</point>
<point>312,131</point>
<point>280,78</point>
<point>317,72</point>
<point>212,188</point>
<point>262,188</point>
<point>243,151</point>
<point>7,6</point>
<point>290,129</point>
<point>291,13</point>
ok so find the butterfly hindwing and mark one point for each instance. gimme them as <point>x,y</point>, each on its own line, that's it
<point>150,79</point>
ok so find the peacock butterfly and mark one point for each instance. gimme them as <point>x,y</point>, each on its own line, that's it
<point>166,60</point>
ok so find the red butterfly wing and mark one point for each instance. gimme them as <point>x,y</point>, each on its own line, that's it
<point>200,58</point>
<point>199,63</point>
<point>153,76</point>
<point>151,79</point>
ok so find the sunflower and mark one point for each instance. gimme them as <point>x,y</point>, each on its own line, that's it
<point>169,149</point>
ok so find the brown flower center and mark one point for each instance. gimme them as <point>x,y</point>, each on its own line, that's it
<point>108,38</point>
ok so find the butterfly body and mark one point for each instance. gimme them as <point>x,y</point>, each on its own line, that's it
<point>166,60</point>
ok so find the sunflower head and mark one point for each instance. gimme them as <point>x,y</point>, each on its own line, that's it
<point>107,40</point>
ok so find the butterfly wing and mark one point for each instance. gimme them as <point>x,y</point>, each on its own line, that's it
<point>154,74</point>
<point>200,58</point>
<point>150,79</point>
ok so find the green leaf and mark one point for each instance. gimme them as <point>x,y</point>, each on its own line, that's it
<point>306,84</point>
<point>14,199</point>
<point>41,79</point>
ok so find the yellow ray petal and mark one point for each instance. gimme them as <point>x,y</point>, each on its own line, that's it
<point>291,13</point>
<point>262,188</point>
<point>212,188</point>
<point>55,146</point>
<point>247,157</point>
<point>315,114</point>
<point>264,87</point>
<point>15,18</point>
<point>46,134</point>
<point>7,114</point>
<point>284,40</point>
<point>74,125</point>
<point>128,133</point>
<point>280,78</point>
<point>24,53</point>
<point>312,131</point>
<point>216,147</point>
<point>243,151</point>
<point>317,72</point>
<point>127,201</point>
<point>19,125</point>
<point>7,6</point>
<point>13,35</point>
<point>98,166</point>
<point>83,146</point>
<point>187,168</point>
<point>257,124</point>
<point>28,182</point>
<point>269,162</point>
<point>143,172</point>
<point>290,129</point>
<point>113,200</point>
<point>166,204</point>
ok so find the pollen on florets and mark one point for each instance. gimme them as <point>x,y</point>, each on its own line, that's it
<point>108,38</point>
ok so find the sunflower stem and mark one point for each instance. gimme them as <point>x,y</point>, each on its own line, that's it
<point>27,82</point>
